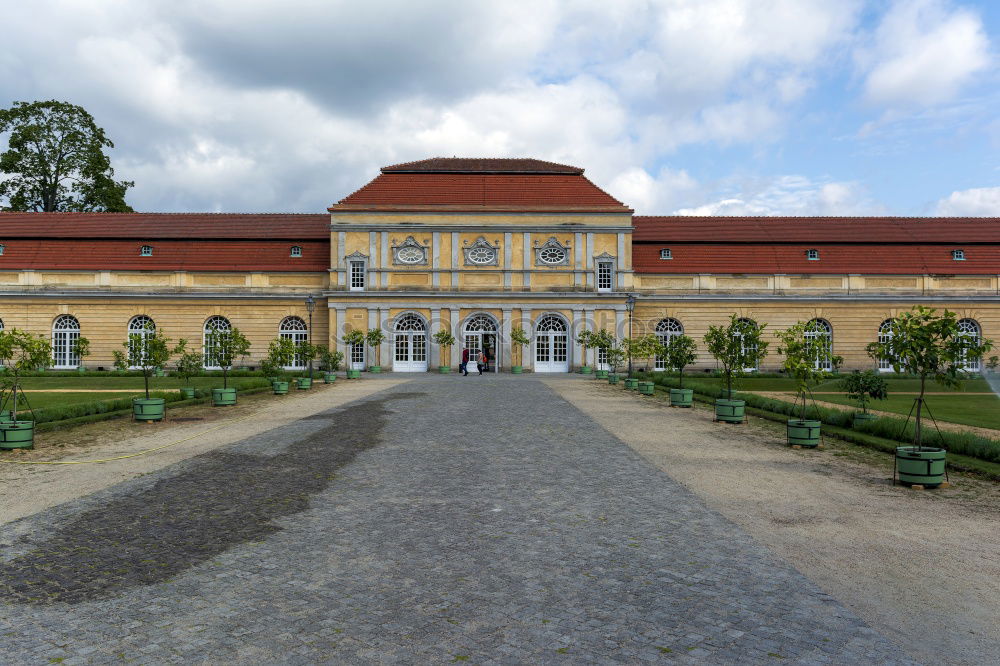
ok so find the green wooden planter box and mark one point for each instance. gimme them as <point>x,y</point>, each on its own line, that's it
<point>223,397</point>
<point>803,433</point>
<point>17,435</point>
<point>444,369</point>
<point>681,397</point>
<point>354,374</point>
<point>612,378</point>
<point>861,417</point>
<point>81,369</point>
<point>647,388</point>
<point>601,374</point>
<point>159,372</point>
<point>924,467</point>
<point>329,377</point>
<point>6,415</point>
<point>586,369</point>
<point>730,411</point>
<point>148,409</point>
<point>631,383</point>
<point>375,369</point>
<point>279,387</point>
<point>303,383</point>
<point>187,392</point>
<point>517,370</point>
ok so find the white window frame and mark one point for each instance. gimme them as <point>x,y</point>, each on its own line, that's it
<point>970,364</point>
<point>665,253</point>
<point>296,251</point>
<point>826,334</point>
<point>295,329</point>
<point>606,266</point>
<point>63,339</point>
<point>812,255</point>
<point>958,255</point>
<point>666,330</point>
<point>207,356</point>
<point>134,329</point>
<point>885,334</point>
<point>362,274</point>
<point>146,251</point>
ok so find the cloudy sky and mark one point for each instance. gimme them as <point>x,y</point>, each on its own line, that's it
<point>813,107</point>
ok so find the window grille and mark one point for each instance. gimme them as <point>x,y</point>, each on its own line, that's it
<point>357,275</point>
<point>666,330</point>
<point>605,275</point>
<point>665,253</point>
<point>296,251</point>
<point>294,329</point>
<point>65,333</point>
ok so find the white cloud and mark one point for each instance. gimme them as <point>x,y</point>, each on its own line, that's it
<point>789,195</point>
<point>976,202</point>
<point>923,53</point>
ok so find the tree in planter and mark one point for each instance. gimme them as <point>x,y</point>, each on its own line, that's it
<point>306,353</point>
<point>928,345</point>
<point>604,342</point>
<point>189,364</point>
<point>806,354</point>
<point>445,340</point>
<point>144,351</point>
<point>615,356</point>
<point>519,340</point>
<point>863,387</point>
<point>646,346</point>
<point>586,340</point>
<point>352,339</point>
<point>81,349</point>
<point>736,346</point>
<point>329,359</point>
<point>226,345</point>
<point>280,355</point>
<point>680,353</point>
<point>375,337</point>
<point>21,352</point>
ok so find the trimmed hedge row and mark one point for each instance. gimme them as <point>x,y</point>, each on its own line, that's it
<point>886,427</point>
<point>137,373</point>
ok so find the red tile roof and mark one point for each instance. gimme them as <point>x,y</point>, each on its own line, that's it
<point>481,165</point>
<point>148,226</point>
<point>168,255</point>
<point>817,229</point>
<point>481,192</point>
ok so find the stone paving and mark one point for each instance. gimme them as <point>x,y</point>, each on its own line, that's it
<point>447,519</point>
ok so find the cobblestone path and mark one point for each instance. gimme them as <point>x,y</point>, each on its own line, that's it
<point>478,519</point>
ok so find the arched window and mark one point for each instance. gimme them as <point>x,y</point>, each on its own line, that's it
<point>885,337</point>
<point>666,330</point>
<point>65,333</point>
<point>294,329</point>
<point>212,325</point>
<point>409,342</point>
<point>968,330</point>
<point>140,327</point>
<point>821,330</point>
<point>748,347</point>
<point>551,345</point>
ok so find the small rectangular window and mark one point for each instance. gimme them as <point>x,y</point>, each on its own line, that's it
<point>1,249</point>
<point>666,254</point>
<point>605,275</point>
<point>296,251</point>
<point>357,276</point>
<point>958,255</point>
<point>146,251</point>
<point>812,255</point>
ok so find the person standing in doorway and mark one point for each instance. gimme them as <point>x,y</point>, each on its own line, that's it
<point>482,362</point>
<point>464,366</point>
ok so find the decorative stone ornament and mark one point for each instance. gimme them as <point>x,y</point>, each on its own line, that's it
<point>481,253</point>
<point>409,253</point>
<point>552,253</point>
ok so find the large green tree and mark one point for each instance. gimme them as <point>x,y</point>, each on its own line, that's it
<point>55,161</point>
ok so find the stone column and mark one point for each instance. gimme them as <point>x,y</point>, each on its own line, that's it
<point>435,348</point>
<point>456,351</point>
<point>505,360</point>
<point>576,327</point>
<point>386,346</point>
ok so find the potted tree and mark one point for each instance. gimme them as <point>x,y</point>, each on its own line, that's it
<point>806,355</point>
<point>329,360</point>
<point>862,388</point>
<point>930,346</point>
<point>445,340</point>
<point>615,356</point>
<point>306,353</point>
<point>226,345</point>
<point>146,351</point>
<point>189,364</point>
<point>585,339</point>
<point>353,339</point>
<point>81,349</point>
<point>375,337</point>
<point>280,354</point>
<point>20,352</point>
<point>736,346</point>
<point>603,342</point>
<point>646,346</point>
<point>680,353</point>
<point>519,340</point>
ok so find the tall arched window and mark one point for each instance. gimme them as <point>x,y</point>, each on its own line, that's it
<point>885,337</point>
<point>409,341</point>
<point>968,330</point>
<point>822,330</point>
<point>748,347</point>
<point>65,333</point>
<point>213,324</point>
<point>551,345</point>
<point>294,329</point>
<point>666,330</point>
<point>139,328</point>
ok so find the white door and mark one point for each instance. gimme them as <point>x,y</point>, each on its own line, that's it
<point>357,353</point>
<point>479,335</point>
<point>410,345</point>
<point>551,345</point>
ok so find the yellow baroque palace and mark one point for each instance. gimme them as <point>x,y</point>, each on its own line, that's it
<point>478,247</point>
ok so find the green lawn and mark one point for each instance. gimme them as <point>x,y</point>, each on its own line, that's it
<point>786,384</point>
<point>46,400</point>
<point>128,383</point>
<point>975,410</point>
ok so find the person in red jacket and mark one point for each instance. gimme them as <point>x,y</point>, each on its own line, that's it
<point>464,367</point>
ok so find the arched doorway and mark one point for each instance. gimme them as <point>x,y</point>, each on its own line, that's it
<point>409,340</point>
<point>294,329</point>
<point>551,345</point>
<point>480,334</point>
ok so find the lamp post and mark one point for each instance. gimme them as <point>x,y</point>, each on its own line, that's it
<point>630,306</point>
<point>310,306</point>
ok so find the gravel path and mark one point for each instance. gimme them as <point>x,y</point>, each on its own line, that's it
<point>921,567</point>
<point>444,519</point>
